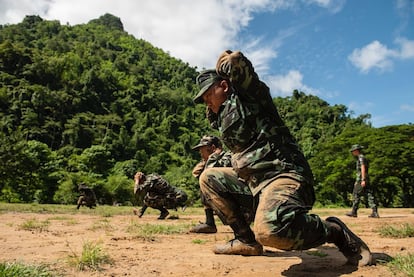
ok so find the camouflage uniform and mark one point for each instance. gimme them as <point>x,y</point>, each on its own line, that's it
<point>159,194</point>
<point>235,188</point>
<point>358,189</point>
<point>267,157</point>
<point>87,197</point>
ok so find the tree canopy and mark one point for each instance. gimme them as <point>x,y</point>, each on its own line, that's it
<point>90,103</point>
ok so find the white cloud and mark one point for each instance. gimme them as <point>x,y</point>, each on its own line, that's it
<point>334,6</point>
<point>284,85</point>
<point>374,55</point>
<point>195,31</point>
<point>378,56</point>
<point>407,48</point>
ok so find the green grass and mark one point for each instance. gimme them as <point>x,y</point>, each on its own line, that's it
<point>101,210</point>
<point>103,224</point>
<point>403,231</point>
<point>24,270</point>
<point>149,231</point>
<point>92,257</point>
<point>403,264</point>
<point>199,241</point>
<point>34,225</point>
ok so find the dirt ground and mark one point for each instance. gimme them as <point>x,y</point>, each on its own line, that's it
<point>187,254</point>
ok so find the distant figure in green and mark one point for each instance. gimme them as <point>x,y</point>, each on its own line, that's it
<point>362,185</point>
<point>87,197</point>
<point>158,194</point>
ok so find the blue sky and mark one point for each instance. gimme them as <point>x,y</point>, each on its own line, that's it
<point>359,53</point>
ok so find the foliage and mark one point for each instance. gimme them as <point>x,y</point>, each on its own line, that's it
<point>35,225</point>
<point>403,264</point>
<point>92,257</point>
<point>90,103</point>
<point>404,231</point>
<point>24,270</point>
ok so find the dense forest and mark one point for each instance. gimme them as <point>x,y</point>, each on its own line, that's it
<point>90,103</point>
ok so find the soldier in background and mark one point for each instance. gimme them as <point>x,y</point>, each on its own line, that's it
<point>87,196</point>
<point>212,155</point>
<point>158,194</point>
<point>362,184</point>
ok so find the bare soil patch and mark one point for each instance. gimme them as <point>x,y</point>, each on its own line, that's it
<point>187,254</point>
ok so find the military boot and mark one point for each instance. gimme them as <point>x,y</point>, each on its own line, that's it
<point>244,242</point>
<point>204,228</point>
<point>352,213</point>
<point>164,213</point>
<point>207,228</point>
<point>352,247</point>
<point>374,213</point>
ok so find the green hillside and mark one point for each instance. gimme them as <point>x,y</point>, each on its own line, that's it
<point>91,103</point>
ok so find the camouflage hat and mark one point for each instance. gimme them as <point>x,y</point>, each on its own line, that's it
<point>356,147</point>
<point>205,80</point>
<point>208,140</point>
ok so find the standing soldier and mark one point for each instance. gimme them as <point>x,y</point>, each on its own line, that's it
<point>87,197</point>
<point>159,194</point>
<point>362,184</point>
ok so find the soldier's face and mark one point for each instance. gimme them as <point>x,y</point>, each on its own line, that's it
<point>205,151</point>
<point>216,95</point>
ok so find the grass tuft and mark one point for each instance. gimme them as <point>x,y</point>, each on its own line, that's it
<point>403,231</point>
<point>92,257</point>
<point>403,264</point>
<point>24,270</point>
<point>149,231</point>
<point>34,225</point>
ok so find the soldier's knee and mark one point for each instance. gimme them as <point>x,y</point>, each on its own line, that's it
<point>276,241</point>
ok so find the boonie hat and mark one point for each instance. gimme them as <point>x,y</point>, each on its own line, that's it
<point>208,140</point>
<point>356,147</point>
<point>205,80</point>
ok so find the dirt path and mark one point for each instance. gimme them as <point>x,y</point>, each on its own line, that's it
<point>185,254</point>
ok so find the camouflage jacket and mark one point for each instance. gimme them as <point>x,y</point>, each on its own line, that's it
<point>222,159</point>
<point>361,160</point>
<point>155,185</point>
<point>250,126</point>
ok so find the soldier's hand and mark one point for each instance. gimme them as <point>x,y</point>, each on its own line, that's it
<point>226,61</point>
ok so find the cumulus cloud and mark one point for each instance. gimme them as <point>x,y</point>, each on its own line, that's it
<point>284,85</point>
<point>378,56</point>
<point>194,31</point>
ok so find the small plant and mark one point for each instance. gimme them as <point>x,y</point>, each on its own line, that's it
<point>199,241</point>
<point>148,231</point>
<point>403,264</point>
<point>102,225</point>
<point>92,257</point>
<point>24,270</point>
<point>404,231</point>
<point>34,225</point>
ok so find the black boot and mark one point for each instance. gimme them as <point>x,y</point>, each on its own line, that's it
<point>164,213</point>
<point>374,213</point>
<point>353,213</point>
<point>244,242</point>
<point>351,246</point>
<point>207,228</point>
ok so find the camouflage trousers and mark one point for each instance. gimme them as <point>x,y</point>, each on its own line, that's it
<point>360,191</point>
<point>168,201</point>
<point>281,209</point>
<point>226,194</point>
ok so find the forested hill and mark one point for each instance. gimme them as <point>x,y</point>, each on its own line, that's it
<point>91,103</point>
